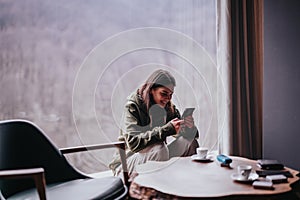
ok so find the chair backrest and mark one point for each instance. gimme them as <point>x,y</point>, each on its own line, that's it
<point>24,145</point>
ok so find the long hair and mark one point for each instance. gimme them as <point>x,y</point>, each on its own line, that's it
<point>159,78</point>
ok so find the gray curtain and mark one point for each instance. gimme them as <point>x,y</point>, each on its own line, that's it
<point>244,59</point>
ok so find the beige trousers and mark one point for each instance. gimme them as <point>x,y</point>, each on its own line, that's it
<point>161,152</point>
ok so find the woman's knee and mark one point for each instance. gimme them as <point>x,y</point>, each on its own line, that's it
<point>159,152</point>
<point>183,147</point>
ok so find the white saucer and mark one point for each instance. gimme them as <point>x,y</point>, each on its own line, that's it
<point>237,177</point>
<point>195,157</point>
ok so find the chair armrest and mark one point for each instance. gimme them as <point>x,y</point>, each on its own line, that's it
<point>37,174</point>
<point>119,145</point>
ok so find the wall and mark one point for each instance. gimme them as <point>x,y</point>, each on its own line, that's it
<point>281,118</point>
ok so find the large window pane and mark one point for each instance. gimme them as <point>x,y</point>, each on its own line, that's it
<point>44,43</point>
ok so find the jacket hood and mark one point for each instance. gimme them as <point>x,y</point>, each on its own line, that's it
<point>137,99</point>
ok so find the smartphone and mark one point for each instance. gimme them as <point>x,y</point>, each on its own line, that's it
<point>188,112</point>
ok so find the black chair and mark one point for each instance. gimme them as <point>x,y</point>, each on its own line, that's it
<point>31,167</point>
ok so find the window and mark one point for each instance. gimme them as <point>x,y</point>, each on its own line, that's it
<point>46,44</point>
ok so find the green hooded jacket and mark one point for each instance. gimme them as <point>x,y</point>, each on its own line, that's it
<point>138,132</point>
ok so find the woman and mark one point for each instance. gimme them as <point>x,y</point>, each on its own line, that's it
<point>149,118</point>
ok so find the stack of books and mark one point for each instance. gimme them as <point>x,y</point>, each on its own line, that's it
<point>272,167</point>
<point>270,164</point>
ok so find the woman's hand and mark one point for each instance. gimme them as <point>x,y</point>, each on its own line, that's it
<point>189,121</point>
<point>177,124</point>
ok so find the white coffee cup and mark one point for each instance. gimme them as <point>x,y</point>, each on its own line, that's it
<point>244,171</point>
<point>202,152</point>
